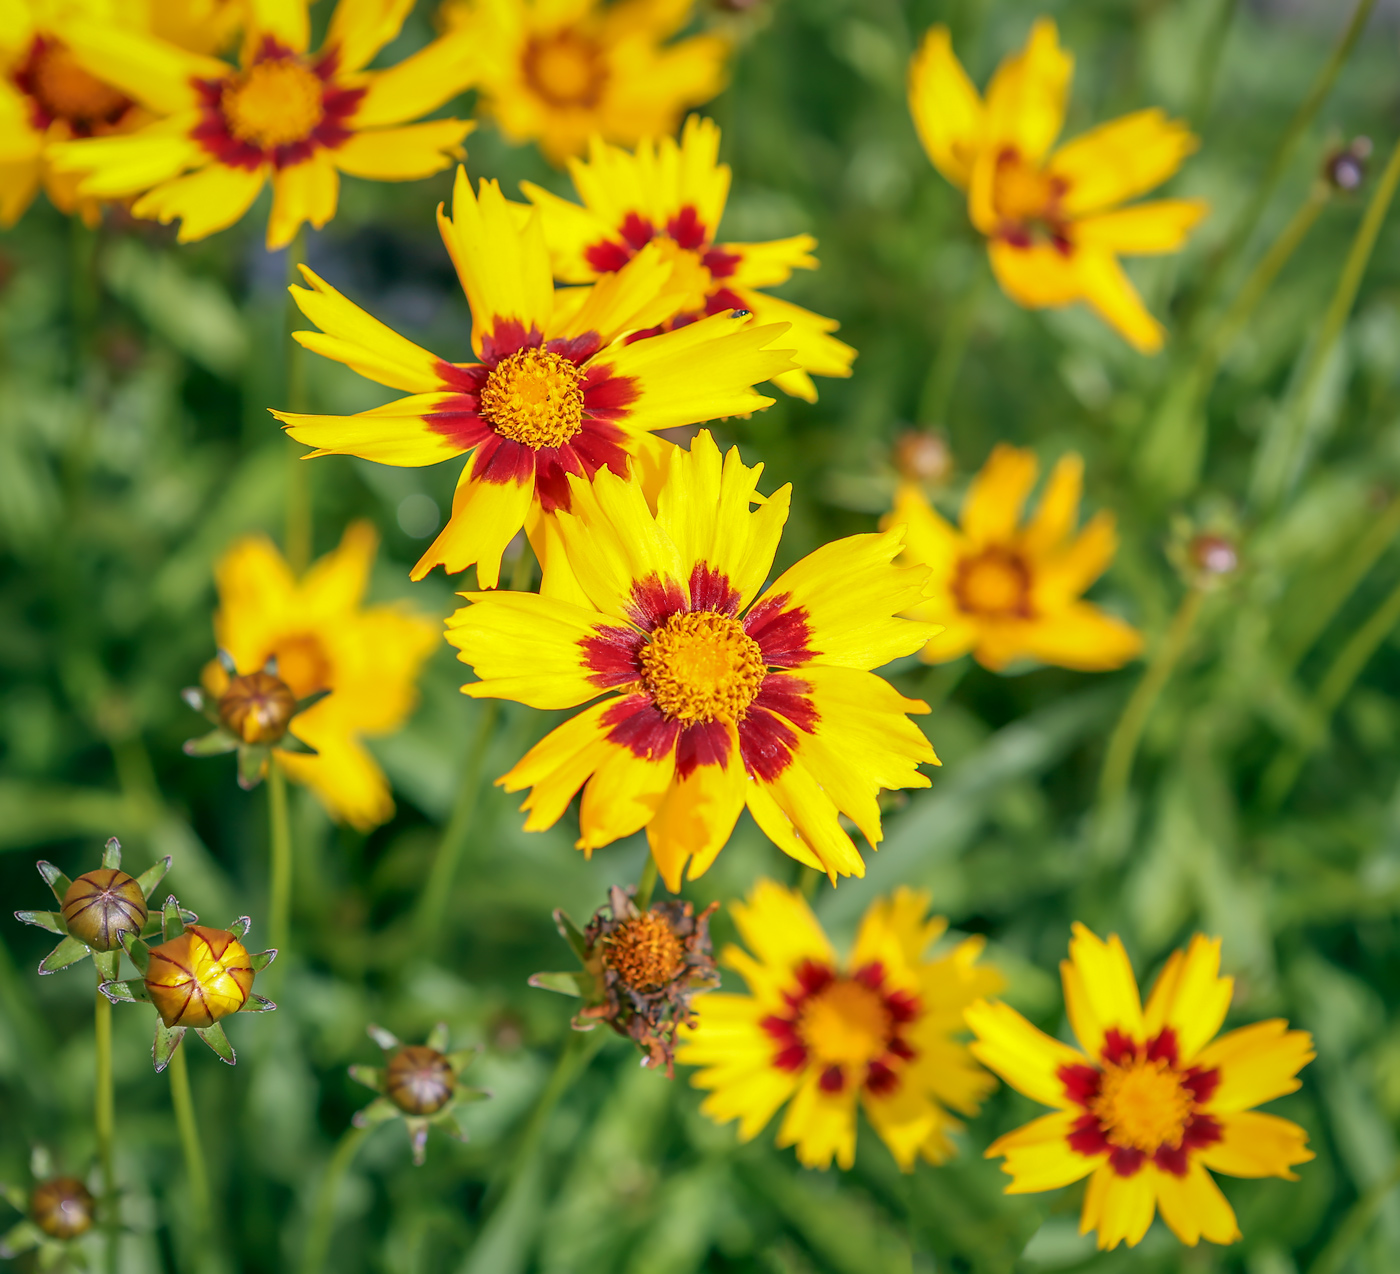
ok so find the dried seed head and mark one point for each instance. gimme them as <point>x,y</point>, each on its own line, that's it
<point>923,455</point>
<point>62,1207</point>
<point>200,977</point>
<point>419,1080</point>
<point>257,707</point>
<point>100,906</point>
<point>645,952</point>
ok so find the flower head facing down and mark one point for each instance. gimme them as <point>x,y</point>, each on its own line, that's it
<point>557,393</point>
<point>673,194</point>
<point>640,970</point>
<point>878,1030</point>
<point>1154,1099</point>
<point>98,912</point>
<point>325,672</point>
<point>713,700</point>
<point>1052,218</point>
<point>284,115</point>
<point>420,1084</point>
<point>1006,590</point>
<point>561,74</point>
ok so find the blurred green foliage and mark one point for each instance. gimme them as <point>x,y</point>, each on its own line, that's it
<point>134,443</point>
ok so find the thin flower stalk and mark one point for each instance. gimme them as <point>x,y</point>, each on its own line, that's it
<point>279,908</point>
<point>196,1166</point>
<point>322,1223</point>
<point>104,1121</point>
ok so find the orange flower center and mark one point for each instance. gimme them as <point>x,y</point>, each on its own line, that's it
<point>1027,199</point>
<point>274,103</point>
<point>257,707</point>
<point>64,90</point>
<point>645,952</point>
<point>534,397</point>
<point>846,1024</point>
<point>566,69</point>
<point>701,666</point>
<point>1143,1105</point>
<point>995,582</point>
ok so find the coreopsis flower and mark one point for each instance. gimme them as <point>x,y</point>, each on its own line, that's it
<point>879,1030</point>
<point>195,978</point>
<point>712,700</point>
<point>674,194</point>
<point>286,115</point>
<point>1008,591</point>
<point>420,1084</point>
<point>557,391</point>
<point>55,1212</point>
<point>96,912</point>
<point>319,663</point>
<point>640,970</point>
<point>559,74</point>
<point>1153,1100</point>
<point>1052,218</point>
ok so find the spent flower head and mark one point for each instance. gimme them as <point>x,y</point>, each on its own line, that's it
<point>97,912</point>
<point>195,978</point>
<point>420,1084</point>
<point>640,970</point>
<point>56,1211</point>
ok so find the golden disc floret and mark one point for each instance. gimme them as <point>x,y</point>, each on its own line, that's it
<point>275,103</point>
<point>701,666</point>
<point>534,397</point>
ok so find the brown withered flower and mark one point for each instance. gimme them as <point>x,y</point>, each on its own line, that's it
<point>640,970</point>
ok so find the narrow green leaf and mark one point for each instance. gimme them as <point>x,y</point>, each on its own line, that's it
<point>20,1238</point>
<point>565,983</point>
<point>216,1039</point>
<point>54,878</point>
<point>369,1076</point>
<point>50,920</point>
<point>379,1111</point>
<point>573,935</point>
<point>112,853</point>
<point>153,875</point>
<point>386,1040</point>
<point>252,765</point>
<point>69,951</point>
<point>216,743</point>
<point>166,1042</point>
<point>137,951</point>
<point>260,960</point>
<point>129,991</point>
<point>258,1004</point>
<point>172,923</point>
<point>240,927</point>
<point>438,1037</point>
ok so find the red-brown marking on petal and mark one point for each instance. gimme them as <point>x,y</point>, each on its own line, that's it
<point>499,460</point>
<point>1081,1082</point>
<point>654,600</point>
<point>1117,1048</point>
<point>686,228</point>
<point>881,1079</point>
<point>788,696</point>
<point>833,1079</point>
<point>607,256</point>
<point>782,634</point>
<point>577,349</point>
<point>1127,1161</point>
<point>766,743</point>
<point>1202,1131</point>
<point>703,743</point>
<point>710,589</point>
<point>723,300</point>
<point>719,263</point>
<point>607,396</point>
<point>635,723</point>
<point>611,656</point>
<point>1202,1084</point>
<point>1087,1136</point>
<point>506,337</point>
<point>1162,1047</point>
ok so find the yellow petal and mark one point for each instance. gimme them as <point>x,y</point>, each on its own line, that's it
<point>822,1126</point>
<point>303,192</point>
<point>1120,160</point>
<point>1079,635</point>
<point>996,495</point>
<point>420,83</point>
<point>1039,276</point>
<point>1110,292</point>
<point>559,764</point>
<point>486,516</point>
<point>1143,229</point>
<point>1057,513</point>
<point>697,816</point>
<point>345,776</point>
<point>1038,1154</point>
<point>767,264</point>
<point>207,200</point>
<point>1254,1144</point>
<point>1101,993</point>
<point>1194,1208</point>
<point>1027,95</point>
<point>947,110</point>
<point>1023,1055</point>
<point>1257,1063</point>
<point>157,74</point>
<point>397,433</point>
<point>1190,997</point>
<point>360,28</point>
<point>778,926</point>
<point>285,20</point>
<point>623,796</point>
<point>403,154</point>
<point>1119,1208</point>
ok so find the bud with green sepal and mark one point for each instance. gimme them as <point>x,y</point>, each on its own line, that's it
<point>195,978</point>
<point>57,1211</point>
<point>420,1084</point>
<point>252,717</point>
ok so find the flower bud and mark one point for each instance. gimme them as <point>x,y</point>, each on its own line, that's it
<point>200,977</point>
<point>923,456</point>
<point>1345,169</point>
<point>419,1080</point>
<point>62,1207</point>
<point>100,906</point>
<point>257,707</point>
<point>1213,555</point>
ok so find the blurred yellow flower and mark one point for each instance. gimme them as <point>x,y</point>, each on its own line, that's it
<point>1052,219</point>
<point>557,390</point>
<point>323,638</point>
<point>1151,1103</point>
<point>285,115</point>
<point>674,195</point>
<point>713,700</point>
<point>879,1029</point>
<point>559,71</point>
<point>1005,591</point>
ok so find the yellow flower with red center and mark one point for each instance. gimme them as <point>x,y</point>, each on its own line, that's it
<point>324,638</point>
<point>713,700</point>
<point>674,194</point>
<point>560,72</point>
<point>879,1030</point>
<point>1154,1099</point>
<point>284,114</point>
<point>558,390</point>
<point>1052,218</point>
<point>1007,591</point>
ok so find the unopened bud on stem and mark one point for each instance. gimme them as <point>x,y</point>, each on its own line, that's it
<point>62,1207</point>
<point>100,906</point>
<point>257,707</point>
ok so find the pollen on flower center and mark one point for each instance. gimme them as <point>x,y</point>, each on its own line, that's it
<point>1143,1105</point>
<point>994,582</point>
<point>64,90</point>
<point>1025,196</point>
<point>566,69</point>
<point>645,952</point>
<point>702,666</point>
<point>275,103</point>
<point>845,1023</point>
<point>534,397</point>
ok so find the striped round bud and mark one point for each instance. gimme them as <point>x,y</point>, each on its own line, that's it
<point>100,906</point>
<point>419,1080</point>
<point>257,707</point>
<point>201,976</point>
<point>62,1207</point>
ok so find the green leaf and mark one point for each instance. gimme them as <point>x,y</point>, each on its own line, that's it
<point>112,853</point>
<point>386,1040</point>
<point>108,964</point>
<point>379,1111</point>
<point>152,876</point>
<point>20,1238</point>
<point>166,1042</point>
<point>172,922</point>
<point>50,920</point>
<point>216,1039</point>
<point>215,743</point>
<point>573,935</point>
<point>240,927</point>
<point>69,951</point>
<point>575,984</point>
<point>438,1038</point>
<point>54,878</point>
<point>258,1004</point>
<point>261,959</point>
<point>459,1059</point>
<point>369,1076</point>
<point>129,991</point>
<point>297,747</point>
<point>252,765</point>
<point>137,951</point>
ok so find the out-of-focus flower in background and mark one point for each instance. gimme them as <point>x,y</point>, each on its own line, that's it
<point>714,701</point>
<point>284,114</point>
<point>1052,218</point>
<point>58,1210</point>
<point>559,73</point>
<point>673,193</point>
<point>1153,1101</point>
<point>878,1030</point>
<point>556,392</point>
<point>1007,591</point>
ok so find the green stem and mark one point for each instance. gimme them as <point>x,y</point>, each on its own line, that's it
<point>1282,451</point>
<point>1283,771</point>
<point>1293,134</point>
<point>104,1121</point>
<point>1208,67</point>
<point>280,867</point>
<point>318,1233</point>
<point>1127,734</point>
<point>195,1167</point>
<point>647,885</point>
<point>1354,1225</point>
<point>299,501</point>
<point>943,375</point>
